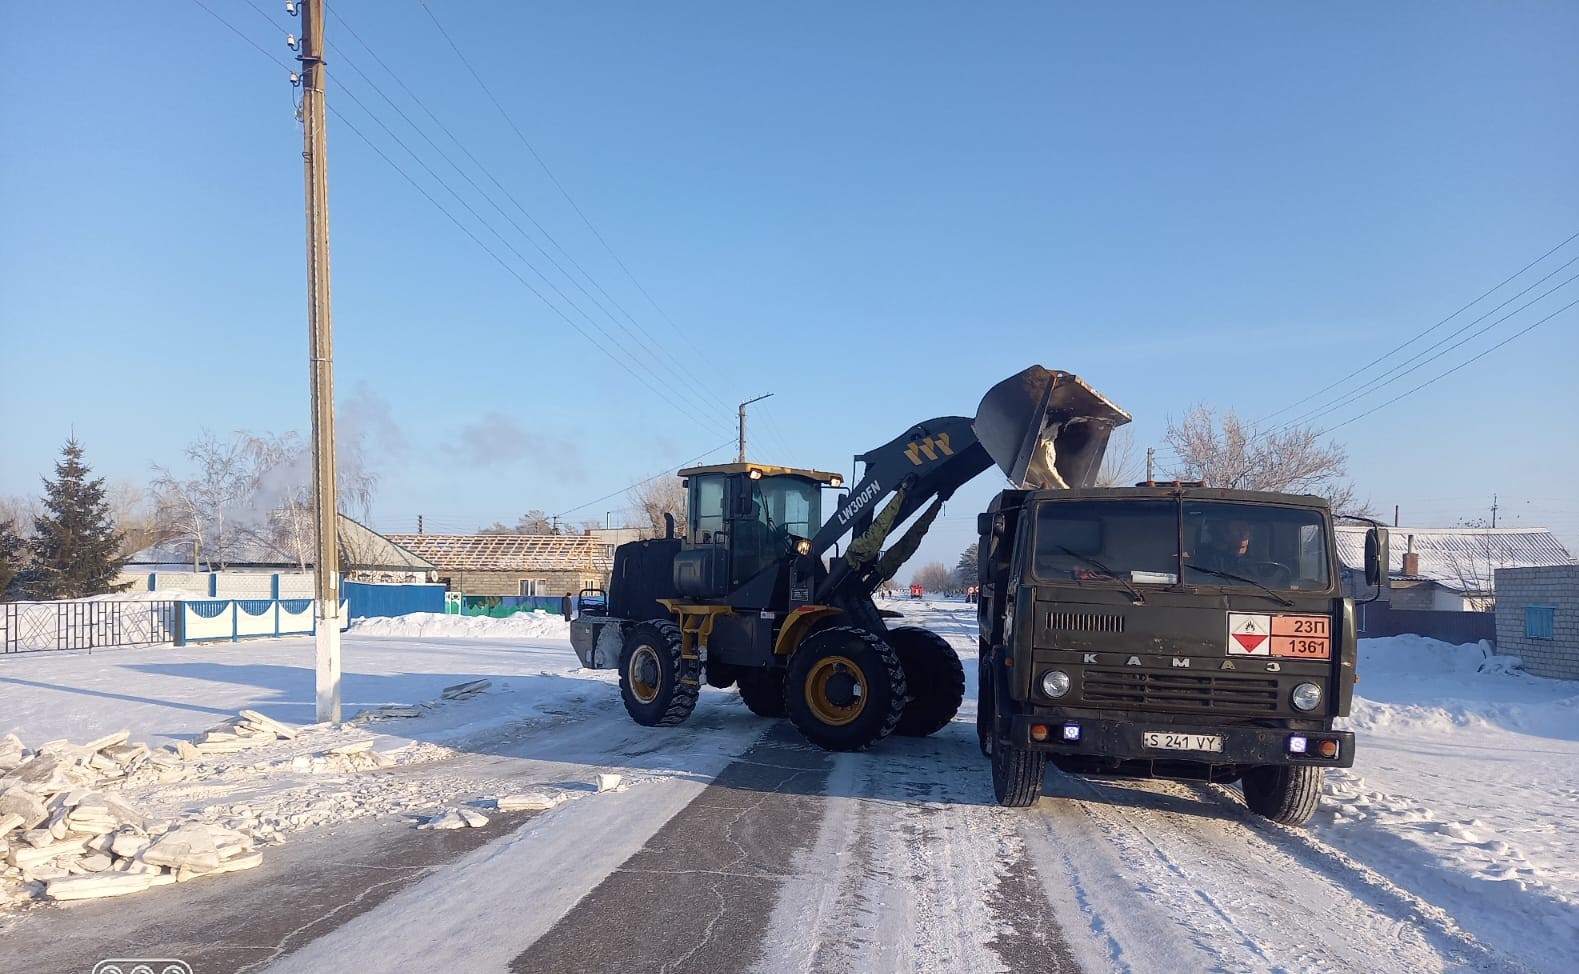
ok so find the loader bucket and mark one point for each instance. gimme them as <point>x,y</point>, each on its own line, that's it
<point>1046,428</point>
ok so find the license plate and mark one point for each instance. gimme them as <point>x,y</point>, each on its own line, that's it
<point>1183,742</point>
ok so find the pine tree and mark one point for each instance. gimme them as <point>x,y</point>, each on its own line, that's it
<point>965,569</point>
<point>12,560</point>
<point>76,549</point>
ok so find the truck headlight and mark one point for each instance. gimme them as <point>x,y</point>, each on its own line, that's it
<point>1307,696</point>
<point>1055,683</point>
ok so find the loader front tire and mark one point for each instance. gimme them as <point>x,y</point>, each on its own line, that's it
<point>935,677</point>
<point>658,685</point>
<point>762,691</point>
<point>845,689</point>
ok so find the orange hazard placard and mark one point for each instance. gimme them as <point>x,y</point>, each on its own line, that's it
<point>1306,626</point>
<point>1302,637</point>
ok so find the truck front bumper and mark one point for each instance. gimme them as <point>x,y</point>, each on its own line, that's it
<point>1126,741</point>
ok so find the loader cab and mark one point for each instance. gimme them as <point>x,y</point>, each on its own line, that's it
<point>743,518</point>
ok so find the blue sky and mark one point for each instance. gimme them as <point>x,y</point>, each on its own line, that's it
<point>872,211</point>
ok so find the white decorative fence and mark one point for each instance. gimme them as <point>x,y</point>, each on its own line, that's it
<point>205,620</point>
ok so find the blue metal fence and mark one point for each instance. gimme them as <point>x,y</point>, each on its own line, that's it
<point>365,599</point>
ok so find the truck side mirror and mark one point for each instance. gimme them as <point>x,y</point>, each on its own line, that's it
<point>1375,556</point>
<point>990,525</point>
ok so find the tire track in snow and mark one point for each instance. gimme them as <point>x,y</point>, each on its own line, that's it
<point>1236,892</point>
<point>914,869</point>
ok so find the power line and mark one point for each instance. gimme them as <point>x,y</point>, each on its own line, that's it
<point>656,349</point>
<point>1422,334</point>
<point>1455,368</point>
<point>655,387</point>
<point>666,471</point>
<point>551,177</point>
<point>1359,394</point>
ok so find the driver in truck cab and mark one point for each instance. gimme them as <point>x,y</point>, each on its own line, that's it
<point>1226,547</point>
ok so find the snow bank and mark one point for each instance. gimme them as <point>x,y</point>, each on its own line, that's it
<point>522,625</point>
<point>1426,684</point>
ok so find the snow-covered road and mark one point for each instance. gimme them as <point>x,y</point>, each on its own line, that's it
<point>1453,845</point>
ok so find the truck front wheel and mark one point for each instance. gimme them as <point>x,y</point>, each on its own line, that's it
<point>1017,775</point>
<point>1286,794</point>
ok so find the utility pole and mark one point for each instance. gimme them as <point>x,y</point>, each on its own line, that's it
<point>1493,510</point>
<point>742,457</point>
<point>1151,459</point>
<point>321,350</point>
<point>419,523</point>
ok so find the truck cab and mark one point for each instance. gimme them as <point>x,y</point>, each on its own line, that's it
<point>1166,630</point>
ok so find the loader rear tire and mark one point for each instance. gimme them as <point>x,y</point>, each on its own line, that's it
<point>935,677</point>
<point>658,685</point>
<point>1286,794</point>
<point>845,689</point>
<point>762,691</point>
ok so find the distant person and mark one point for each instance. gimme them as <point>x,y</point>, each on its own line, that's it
<point>566,606</point>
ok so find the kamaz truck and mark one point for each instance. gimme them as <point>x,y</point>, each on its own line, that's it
<point>1175,631</point>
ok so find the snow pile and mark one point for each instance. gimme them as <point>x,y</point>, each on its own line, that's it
<point>1425,684</point>
<point>522,625</point>
<point>64,837</point>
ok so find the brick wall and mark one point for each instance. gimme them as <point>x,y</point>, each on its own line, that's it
<point>509,583</point>
<point>1557,586</point>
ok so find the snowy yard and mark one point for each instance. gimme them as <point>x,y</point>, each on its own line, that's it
<point>1453,844</point>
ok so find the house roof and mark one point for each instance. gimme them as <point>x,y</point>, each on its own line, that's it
<point>1462,559</point>
<point>509,552</point>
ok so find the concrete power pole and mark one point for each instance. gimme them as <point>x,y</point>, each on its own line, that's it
<point>742,457</point>
<point>321,350</point>
<point>1151,462</point>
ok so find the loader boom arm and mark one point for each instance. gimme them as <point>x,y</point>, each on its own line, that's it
<point>1042,428</point>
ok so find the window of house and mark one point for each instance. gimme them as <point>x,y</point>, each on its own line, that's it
<point>1540,621</point>
<point>534,586</point>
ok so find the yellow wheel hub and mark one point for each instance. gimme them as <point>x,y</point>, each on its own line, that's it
<point>646,675</point>
<point>836,690</point>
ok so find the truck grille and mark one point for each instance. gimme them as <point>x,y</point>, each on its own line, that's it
<point>1085,622</point>
<point>1182,692</point>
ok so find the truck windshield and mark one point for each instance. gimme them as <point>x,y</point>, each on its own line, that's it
<point>1225,543</point>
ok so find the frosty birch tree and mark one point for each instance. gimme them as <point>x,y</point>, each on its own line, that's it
<point>197,507</point>
<point>1224,451</point>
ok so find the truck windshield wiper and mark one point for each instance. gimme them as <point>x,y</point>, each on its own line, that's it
<point>1139,599</point>
<point>1240,578</point>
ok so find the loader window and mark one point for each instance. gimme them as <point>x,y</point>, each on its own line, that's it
<point>707,507</point>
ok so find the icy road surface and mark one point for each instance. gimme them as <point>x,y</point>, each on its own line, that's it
<point>1453,845</point>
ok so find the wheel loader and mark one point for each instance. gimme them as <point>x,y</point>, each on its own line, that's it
<point>756,594</point>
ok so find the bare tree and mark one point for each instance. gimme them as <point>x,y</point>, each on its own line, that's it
<point>1226,452</point>
<point>1121,464</point>
<point>532,522</point>
<point>255,489</point>
<point>656,498</point>
<point>136,516</point>
<point>20,511</point>
<point>933,576</point>
<point>197,508</point>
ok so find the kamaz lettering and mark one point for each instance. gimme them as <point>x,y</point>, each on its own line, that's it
<point>847,512</point>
